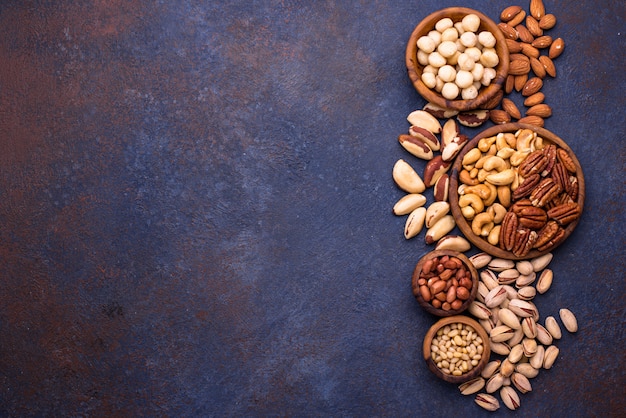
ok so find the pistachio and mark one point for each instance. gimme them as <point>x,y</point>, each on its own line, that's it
<point>488,402</point>
<point>490,369</point>
<point>508,276</point>
<point>501,264</point>
<point>495,297</point>
<point>508,318</point>
<point>521,382</point>
<point>510,398</point>
<point>480,260</point>
<point>522,308</point>
<point>543,335</point>
<point>479,310</point>
<point>545,281</point>
<point>550,356</point>
<point>507,368</point>
<point>409,203</point>
<point>501,333</point>
<point>488,277</point>
<point>472,386</point>
<point>541,262</point>
<point>529,327</point>
<point>525,280</point>
<point>526,293</point>
<point>527,370</point>
<point>569,320</point>
<point>553,327</point>
<point>524,267</point>
<point>500,348</point>
<point>482,292</point>
<point>530,346</point>
<point>536,360</point>
<point>516,338</point>
<point>516,354</point>
<point>494,383</point>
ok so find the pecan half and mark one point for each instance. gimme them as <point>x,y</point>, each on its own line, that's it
<point>507,231</point>
<point>555,240</point>
<point>560,175</point>
<point>572,188</point>
<point>527,186</point>
<point>536,162</point>
<point>524,241</point>
<point>545,191</point>
<point>565,213</point>
<point>547,233</point>
<point>550,153</point>
<point>529,216</point>
<point>566,160</point>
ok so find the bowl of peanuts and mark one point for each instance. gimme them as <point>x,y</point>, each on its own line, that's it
<point>444,282</point>
<point>456,349</point>
<point>457,58</point>
<point>517,191</point>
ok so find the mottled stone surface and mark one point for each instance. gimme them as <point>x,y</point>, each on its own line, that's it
<point>195,211</point>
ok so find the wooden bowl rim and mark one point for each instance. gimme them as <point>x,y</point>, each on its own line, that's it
<point>426,305</point>
<point>450,320</point>
<point>414,69</point>
<point>453,197</point>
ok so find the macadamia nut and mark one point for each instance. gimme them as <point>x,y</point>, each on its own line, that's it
<point>471,22</point>
<point>447,73</point>
<point>444,24</point>
<point>426,44</point>
<point>450,91</point>
<point>469,39</point>
<point>486,39</point>
<point>447,49</point>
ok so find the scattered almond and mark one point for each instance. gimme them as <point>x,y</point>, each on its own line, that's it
<point>519,67</point>
<point>537,67</point>
<point>542,42</point>
<point>537,9</point>
<point>508,31</point>
<point>509,83</point>
<point>498,116</point>
<point>532,86</point>
<point>547,22</point>
<point>542,110</point>
<point>548,65</point>
<point>520,81</point>
<point>556,48</point>
<point>509,107</point>
<point>517,19</point>
<point>529,50</point>
<point>532,120</point>
<point>513,46</point>
<point>533,26</point>
<point>509,13</point>
<point>534,99</point>
<point>524,34</point>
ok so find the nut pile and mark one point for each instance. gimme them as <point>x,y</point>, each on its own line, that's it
<point>456,349</point>
<point>504,308</point>
<point>518,191</point>
<point>532,53</point>
<point>458,59</point>
<point>444,282</point>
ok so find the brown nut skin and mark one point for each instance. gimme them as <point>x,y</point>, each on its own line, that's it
<point>434,169</point>
<point>441,188</point>
<point>556,49</point>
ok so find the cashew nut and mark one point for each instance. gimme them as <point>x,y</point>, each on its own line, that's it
<point>468,212</point>
<point>494,235</point>
<point>495,163</point>
<point>482,190</point>
<point>525,138</point>
<point>480,221</point>
<point>502,178</point>
<point>473,200</point>
<point>472,156</point>
<point>485,143</point>
<point>466,178</point>
<point>492,196</point>
<point>501,141</point>
<point>497,211</point>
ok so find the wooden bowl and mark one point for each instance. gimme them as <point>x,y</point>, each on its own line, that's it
<point>415,69</point>
<point>463,224</point>
<point>429,356</point>
<point>427,305</point>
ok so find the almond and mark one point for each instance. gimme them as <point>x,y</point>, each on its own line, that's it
<point>547,22</point>
<point>532,120</point>
<point>556,48</point>
<point>542,110</point>
<point>508,31</point>
<point>509,107</point>
<point>498,116</point>
<point>513,46</point>
<point>548,65</point>
<point>494,101</point>
<point>529,50</point>
<point>534,99</point>
<point>532,86</point>
<point>542,42</point>
<point>537,9</point>
<point>533,26</point>
<point>520,81</point>
<point>524,34</point>
<point>509,83</point>
<point>517,19</point>
<point>519,67</point>
<point>518,56</point>
<point>537,67</point>
<point>509,13</point>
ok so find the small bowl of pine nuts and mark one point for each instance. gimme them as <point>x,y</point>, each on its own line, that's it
<point>444,282</point>
<point>457,58</point>
<point>456,349</point>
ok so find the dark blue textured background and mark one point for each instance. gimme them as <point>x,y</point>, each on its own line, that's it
<point>195,211</point>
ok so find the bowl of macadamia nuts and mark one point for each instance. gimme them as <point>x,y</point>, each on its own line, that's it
<point>457,58</point>
<point>516,191</point>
